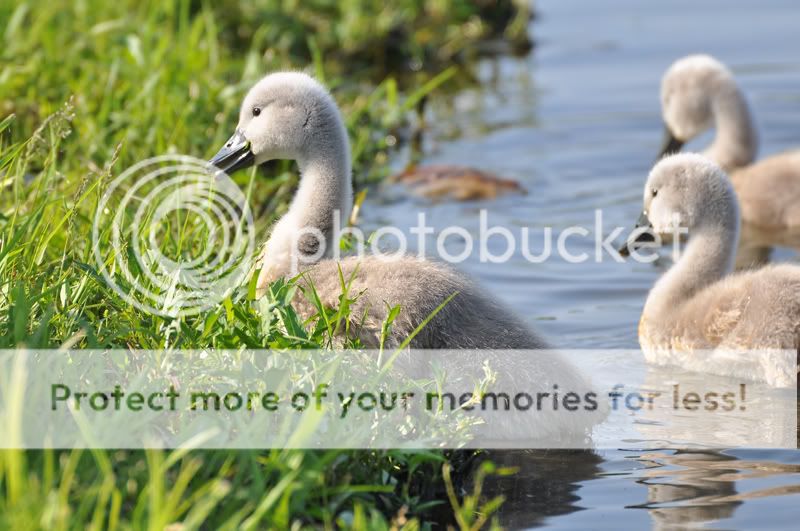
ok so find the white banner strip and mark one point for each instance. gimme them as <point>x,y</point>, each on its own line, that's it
<point>372,399</point>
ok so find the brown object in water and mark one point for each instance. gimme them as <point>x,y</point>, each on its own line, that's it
<point>461,183</point>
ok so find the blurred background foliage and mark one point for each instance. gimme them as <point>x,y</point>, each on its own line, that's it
<point>169,76</point>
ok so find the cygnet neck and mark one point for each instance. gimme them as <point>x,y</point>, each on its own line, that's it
<point>736,142</point>
<point>707,258</point>
<point>325,190</point>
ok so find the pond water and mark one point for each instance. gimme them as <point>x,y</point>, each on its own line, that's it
<point>578,123</point>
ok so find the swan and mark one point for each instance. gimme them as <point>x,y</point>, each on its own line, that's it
<point>748,323</point>
<point>461,183</point>
<point>289,115</point>
<point>698,92</point>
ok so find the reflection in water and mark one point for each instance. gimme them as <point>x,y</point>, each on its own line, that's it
<point>756,245</point>
<point>545,484</point>
<point>689,487</point>
<point>695,487</point>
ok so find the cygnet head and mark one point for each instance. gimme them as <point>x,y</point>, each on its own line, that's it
<point>687,93</point>
<point>285,115</point>
<point>688,191</point>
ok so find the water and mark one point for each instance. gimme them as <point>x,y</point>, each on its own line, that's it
<point>578,123</point>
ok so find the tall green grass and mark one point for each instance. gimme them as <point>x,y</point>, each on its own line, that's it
<point>87,88</point>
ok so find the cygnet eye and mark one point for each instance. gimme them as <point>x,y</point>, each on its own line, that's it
<point>655,192</point>
<point>256,111</point>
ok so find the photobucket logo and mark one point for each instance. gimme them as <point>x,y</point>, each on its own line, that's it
<point>173,237</point>
<point>489,244</point>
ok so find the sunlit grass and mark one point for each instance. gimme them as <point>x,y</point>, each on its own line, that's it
<point>87,89</point>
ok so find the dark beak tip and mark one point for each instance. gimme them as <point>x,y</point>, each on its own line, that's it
<point>234,155</point>
<point>670,145</point>
<point>212,168</point>
<point>646,236</point>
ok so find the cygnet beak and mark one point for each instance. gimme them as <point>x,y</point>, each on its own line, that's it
<point>644,236</point>
<point>670,145</point>
<point>234,155</point>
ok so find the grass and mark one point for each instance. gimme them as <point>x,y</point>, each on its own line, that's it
<point>88,88</point>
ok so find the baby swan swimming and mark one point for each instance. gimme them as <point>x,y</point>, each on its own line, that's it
<point>698,92</point>
<point>291,116</point>
<point>699,305</point>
